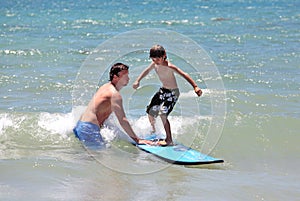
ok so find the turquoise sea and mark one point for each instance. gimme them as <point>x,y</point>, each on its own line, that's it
<point>54,54</point>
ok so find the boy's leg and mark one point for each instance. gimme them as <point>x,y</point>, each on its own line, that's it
<point>152,122</point>
<point>167,127</point>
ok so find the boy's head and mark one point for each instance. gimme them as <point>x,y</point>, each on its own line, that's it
<point>115,69</point>
<point>158,51</point>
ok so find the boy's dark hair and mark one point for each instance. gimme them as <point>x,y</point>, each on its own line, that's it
<point>157,51</point>
<point>115,69</point>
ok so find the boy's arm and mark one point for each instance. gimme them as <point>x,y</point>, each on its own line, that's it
<point>186,76</point>
<point>136,84</point>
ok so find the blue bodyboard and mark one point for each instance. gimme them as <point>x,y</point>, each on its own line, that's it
<point>179,154</point>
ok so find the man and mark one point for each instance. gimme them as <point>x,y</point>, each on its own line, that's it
<point>106,100</point>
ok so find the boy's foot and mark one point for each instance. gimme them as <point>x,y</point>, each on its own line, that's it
<point>159,142</point>
<point>162,143</point>
<point>170,144</point>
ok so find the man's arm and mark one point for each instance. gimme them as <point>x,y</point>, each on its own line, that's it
<point>117,107</point>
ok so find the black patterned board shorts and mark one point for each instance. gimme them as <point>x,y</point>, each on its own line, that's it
<point>163,102</point>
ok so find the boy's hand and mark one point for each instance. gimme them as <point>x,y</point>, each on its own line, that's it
<point>136,85</point>
<point>198,91</point>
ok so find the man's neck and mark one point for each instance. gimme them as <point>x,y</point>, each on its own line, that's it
<point>115,85</point>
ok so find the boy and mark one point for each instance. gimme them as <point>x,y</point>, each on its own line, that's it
<point>164,100</point>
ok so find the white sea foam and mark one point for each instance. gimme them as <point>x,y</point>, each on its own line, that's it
<point>5,121</point>
<point>56,123</point>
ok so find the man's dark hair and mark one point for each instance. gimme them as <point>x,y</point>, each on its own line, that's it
<point>115,69</point>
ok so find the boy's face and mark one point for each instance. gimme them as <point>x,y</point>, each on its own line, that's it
<point>158,60</point>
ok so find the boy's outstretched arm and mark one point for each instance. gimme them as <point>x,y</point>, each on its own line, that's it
<point>186,76</point>
<point>136,84</point>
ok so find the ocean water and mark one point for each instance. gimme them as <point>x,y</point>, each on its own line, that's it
<point>54,54</point>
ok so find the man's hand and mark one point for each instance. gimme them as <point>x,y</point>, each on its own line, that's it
<point>198,91</point>
<point>149,142</point>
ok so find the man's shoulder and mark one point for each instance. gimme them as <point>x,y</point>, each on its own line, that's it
<point>107,89</point>
<point>105,86</point>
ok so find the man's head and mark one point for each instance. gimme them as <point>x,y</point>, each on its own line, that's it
<point>158,51</point>
<point>116,69</point>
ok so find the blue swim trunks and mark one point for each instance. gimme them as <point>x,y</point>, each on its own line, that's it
<point>89,134</point>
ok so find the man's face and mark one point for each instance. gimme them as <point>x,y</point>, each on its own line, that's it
<point>123,78</point>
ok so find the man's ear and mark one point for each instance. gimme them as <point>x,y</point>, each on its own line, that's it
<point>115,76</point>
